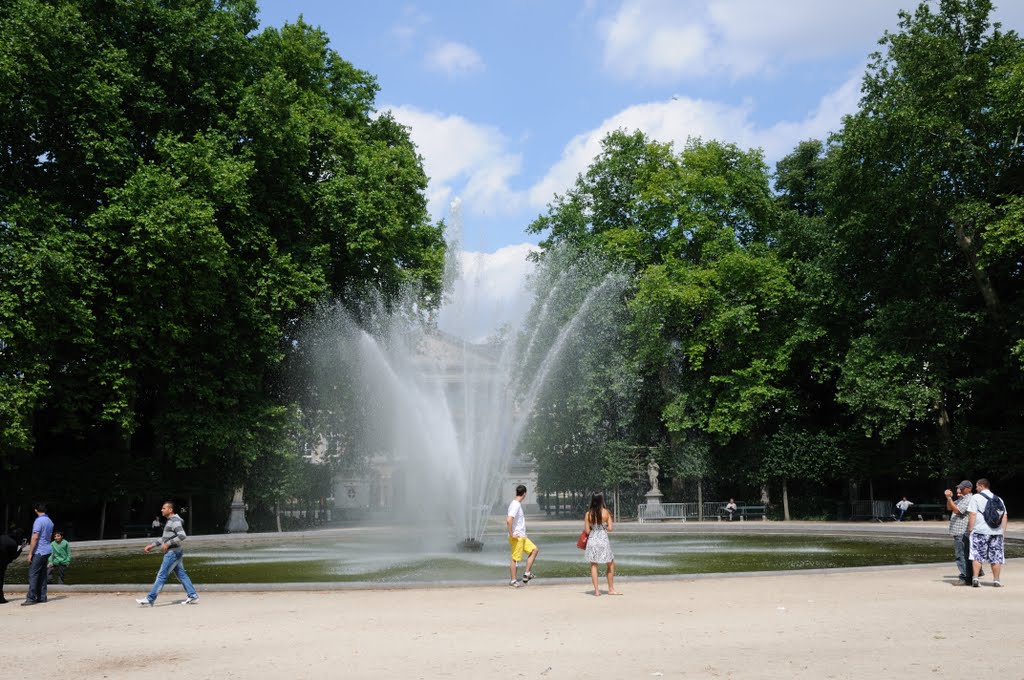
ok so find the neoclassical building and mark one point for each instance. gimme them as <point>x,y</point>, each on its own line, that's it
<point>467,374</point>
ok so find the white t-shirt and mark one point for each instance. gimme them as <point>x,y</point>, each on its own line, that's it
<point>977,505</point>
<point>904,505</point>
<point>515,511</point>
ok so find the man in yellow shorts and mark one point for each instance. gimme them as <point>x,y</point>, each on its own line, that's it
<point>517,540</point>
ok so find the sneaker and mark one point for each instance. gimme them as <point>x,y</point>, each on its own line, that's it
<point>515,584</point>
<point>29,603</point>
<point>528,576</point>
<point>191,599</point>
<point>144,601</point>
<point>976,583</point>
<point>997,584</point>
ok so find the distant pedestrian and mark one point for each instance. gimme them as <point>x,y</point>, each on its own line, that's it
<point>38,556</point>
<point>902,508</point>
<point>986,540</point>
<point>730,508</point>
<point>60,558</point>
<point>170,544</point>
<point>515,522</point>
<point>598,523</point>
<point>10,548</point>
<point>155,526</point>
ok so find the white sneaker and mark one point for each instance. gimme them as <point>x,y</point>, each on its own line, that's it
<point>515,584</point>
<point>191,599</point>
<point>144,601</point>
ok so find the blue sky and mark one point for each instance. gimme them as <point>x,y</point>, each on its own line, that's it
<point>508,101</point>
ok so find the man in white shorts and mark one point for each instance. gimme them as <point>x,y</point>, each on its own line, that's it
<point>986,541</point>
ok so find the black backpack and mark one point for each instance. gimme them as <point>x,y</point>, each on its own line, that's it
<point>994,511</point>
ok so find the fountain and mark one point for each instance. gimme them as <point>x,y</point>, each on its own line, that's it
<point>446,412</point>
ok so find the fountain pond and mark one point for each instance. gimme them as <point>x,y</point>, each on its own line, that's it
<point>382,556</point>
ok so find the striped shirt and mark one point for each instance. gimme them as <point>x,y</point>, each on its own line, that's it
<point>174,533</point>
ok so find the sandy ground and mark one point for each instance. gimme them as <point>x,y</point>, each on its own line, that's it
<point>883,623</point>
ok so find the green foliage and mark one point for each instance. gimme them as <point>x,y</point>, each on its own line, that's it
<point>864,317</point>
<point>924,184</point>
<point>573,358</point>
<point>792,453</point>
<point>177,191</point>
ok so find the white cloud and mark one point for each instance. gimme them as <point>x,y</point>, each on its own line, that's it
<point>454,60</point>
<point>491,292</point>
<point>492,289</point>
<point>682,118</point>
<point>461,157</point>
<point>779,139</point>
<point>665,40</point>
<point>475,162</point>
<point>666,121</point>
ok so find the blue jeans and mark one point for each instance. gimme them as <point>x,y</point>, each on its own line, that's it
<point>960,552</point>
<point>172,562</point>
<point>37,578</point>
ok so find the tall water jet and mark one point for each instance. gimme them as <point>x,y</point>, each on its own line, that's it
<point>448,413</point>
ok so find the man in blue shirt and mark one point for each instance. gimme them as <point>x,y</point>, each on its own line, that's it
<point>38,555</point>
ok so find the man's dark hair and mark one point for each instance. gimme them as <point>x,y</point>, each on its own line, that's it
<point>39,506</point>
<point>171,503</point>
<point>521,490</point>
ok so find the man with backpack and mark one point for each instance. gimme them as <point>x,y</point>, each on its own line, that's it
<point>986,523</point>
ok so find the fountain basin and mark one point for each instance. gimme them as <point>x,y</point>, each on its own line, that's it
<point>391,556</point>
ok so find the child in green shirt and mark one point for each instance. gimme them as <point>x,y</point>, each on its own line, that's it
<point>59,558</point>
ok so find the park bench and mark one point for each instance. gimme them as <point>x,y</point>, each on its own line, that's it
<point>684,511</point>
<point>136,530</point>
<point>925,511</point>
<point>750,511</point>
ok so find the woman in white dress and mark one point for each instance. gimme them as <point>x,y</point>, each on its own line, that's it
<point>597,523</point>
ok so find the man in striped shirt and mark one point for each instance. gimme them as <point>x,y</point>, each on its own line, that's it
<point>170,543</point>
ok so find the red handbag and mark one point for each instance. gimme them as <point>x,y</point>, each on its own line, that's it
<point>581,542</point>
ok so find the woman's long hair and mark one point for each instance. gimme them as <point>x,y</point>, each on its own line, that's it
<point>596,506</point>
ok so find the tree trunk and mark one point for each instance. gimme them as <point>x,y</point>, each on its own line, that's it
<point>103,518</point>
<point>988,292</point>
<point>945,429</point>
<point>700,499</point>
<point>277,514</point>
<point>191,515</point>
<point>785,501</point>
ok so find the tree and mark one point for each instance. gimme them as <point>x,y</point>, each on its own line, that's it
<point>923,189</point>
<point>576,380</point>
<point>714,318</point>
<point>177,191</point>
<point>611,208</point>
<point>793,453</point>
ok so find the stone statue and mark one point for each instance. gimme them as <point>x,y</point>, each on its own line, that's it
<point>652,474</point>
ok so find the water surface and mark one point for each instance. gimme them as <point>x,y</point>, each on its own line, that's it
<point>379,558</point>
